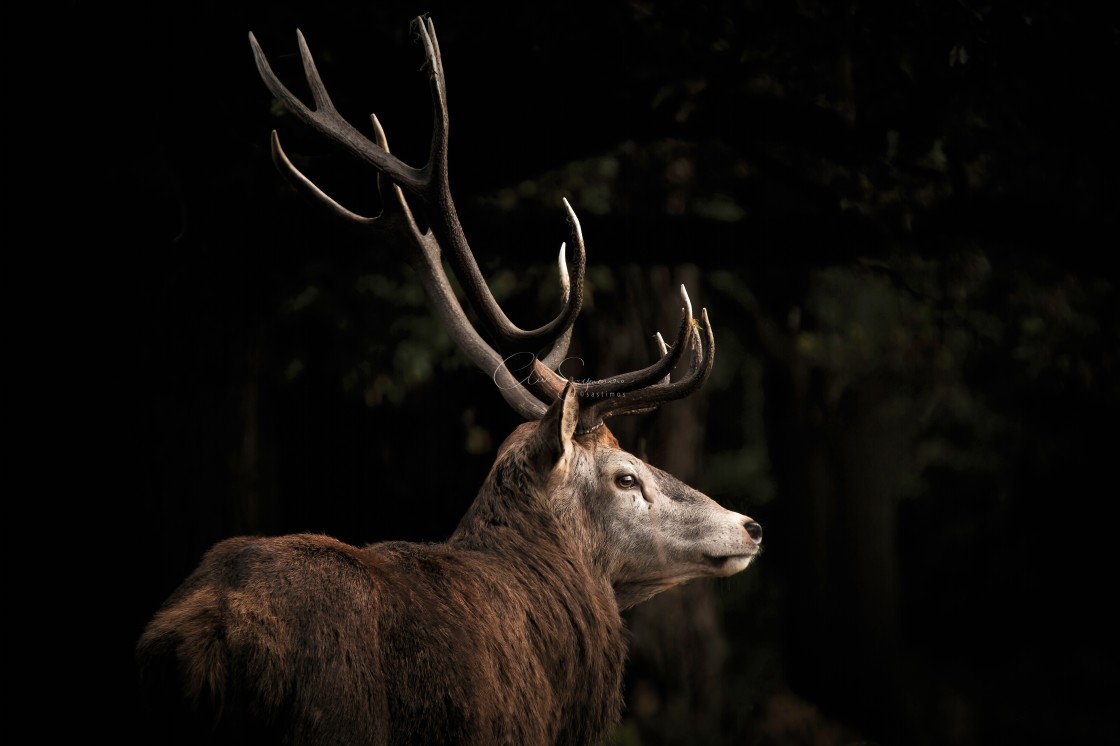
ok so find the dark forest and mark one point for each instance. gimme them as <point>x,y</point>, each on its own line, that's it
<point>901,218</point>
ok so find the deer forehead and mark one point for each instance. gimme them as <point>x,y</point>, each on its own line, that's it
<point>605,460</point>
<point>611,460</point>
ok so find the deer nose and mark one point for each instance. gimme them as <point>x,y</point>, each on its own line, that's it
<point>754,530</point>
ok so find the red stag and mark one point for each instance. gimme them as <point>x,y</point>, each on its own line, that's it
<point>507,633</point>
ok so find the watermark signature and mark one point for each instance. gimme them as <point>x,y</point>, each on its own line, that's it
<point>524,364</point>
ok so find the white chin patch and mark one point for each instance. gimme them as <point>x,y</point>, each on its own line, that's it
<point>733,565</point>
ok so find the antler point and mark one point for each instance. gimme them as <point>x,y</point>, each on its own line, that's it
<point>687,310</point>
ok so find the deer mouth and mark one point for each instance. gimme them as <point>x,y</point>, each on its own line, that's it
<point>729,564</point>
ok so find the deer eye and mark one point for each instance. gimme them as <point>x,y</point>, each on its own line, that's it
<point>626,481</point>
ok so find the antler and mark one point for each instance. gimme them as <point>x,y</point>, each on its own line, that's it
<point>623,394</point>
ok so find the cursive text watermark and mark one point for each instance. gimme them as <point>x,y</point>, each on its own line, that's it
<point>521,368</point>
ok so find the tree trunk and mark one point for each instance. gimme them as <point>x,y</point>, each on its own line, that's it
<point>678,647</point>
<point>838,460</point>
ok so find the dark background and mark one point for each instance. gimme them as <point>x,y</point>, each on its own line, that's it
<point>900,216</point>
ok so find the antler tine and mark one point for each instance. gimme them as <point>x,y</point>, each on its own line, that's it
<point>430,184</point>
<point>658,371</point>
<point>612,391</point>
<point>436,167</point>
<point>560,348</point>
<point>424,257</point>
<point>302,184</point>
<point>448,230</point>
<point>440,292</point>
<point>663,350</point>
<point>393,211</point>
<point>646,399</point>
<point>326,120</point>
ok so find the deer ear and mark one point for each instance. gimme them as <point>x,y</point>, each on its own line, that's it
<point>569,417</point>
<point>554,435</point>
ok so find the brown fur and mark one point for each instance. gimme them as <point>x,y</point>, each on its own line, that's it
<point>507,634</point>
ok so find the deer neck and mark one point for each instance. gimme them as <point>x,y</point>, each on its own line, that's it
<point>513,517</point>
<point>579,633</point>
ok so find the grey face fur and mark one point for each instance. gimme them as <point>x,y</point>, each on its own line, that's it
<point>649,530</point>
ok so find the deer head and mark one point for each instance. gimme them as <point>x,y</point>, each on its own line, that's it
<point>667,532</point>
